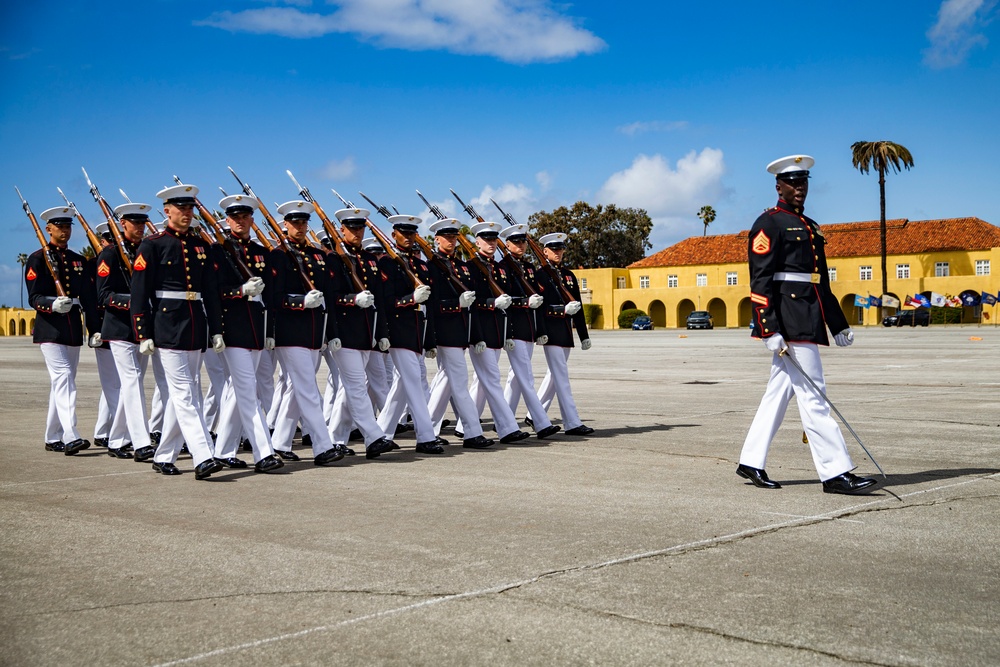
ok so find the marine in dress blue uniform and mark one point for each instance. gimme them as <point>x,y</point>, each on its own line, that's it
<point>792,309</point>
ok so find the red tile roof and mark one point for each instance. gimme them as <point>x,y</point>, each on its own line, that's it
<point>847,239</point>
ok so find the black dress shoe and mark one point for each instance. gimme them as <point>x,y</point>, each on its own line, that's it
<point>514,437</point>
<point>355,435</point>
<point>402,428</point>
<point>459,434</point>
<point>329,456</point>
<point>77,445</point>
<point>287,456</point>
<point>757,476</point>
<point>245,445</point>
<point>479,442</point>
<point>528,421</point>
<point>347,450</point>
<point>232,462</point>
<point>215,436</point>
<point>430,448</point>
<point>549,430</point>
<point>582,429</point>
<point>120,453</point>
<point>166,468</point>
<point>206,469</point>
<point>55,446</point>
<point>268,464</point>
<point>440,441</point>
<point>144,453</point>
<point>154,437</point>
<point>445,423</point>
<point>379,447</point>
<point>100,442</point>
<point>849,484</point>
<point>307,440</point>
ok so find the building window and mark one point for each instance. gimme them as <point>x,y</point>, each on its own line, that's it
<point>865,273</point>
<point>982,267</point>
<point>643,282</point>
<point>731,278</point>
<point>621,282</point>
<point>902,271</point>
<point>833,274</point>
<point>941,269</point>
<point>583,283</point>
<point>702,280</point>
<point>672,280</point>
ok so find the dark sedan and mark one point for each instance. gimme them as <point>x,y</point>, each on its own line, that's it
<point>908,318</point>
<point>642,323</point>
<point>700,319</point>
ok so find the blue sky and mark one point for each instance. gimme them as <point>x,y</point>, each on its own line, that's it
<point>659,105</point>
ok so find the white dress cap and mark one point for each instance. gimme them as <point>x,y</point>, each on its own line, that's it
<point>134,208</point>
<point>445,224</point>
<point>180,193</point>
<point>296,207</point>
<point>238,200</point>
<point>791,164</point>
<point>520,229</point>
<point>487,229</point>
<point>404,221</point>
<point>61,213</point>
<point>555,237</point>
<point>102,229</point>
<point>372,244</point>
<point>352,214</point>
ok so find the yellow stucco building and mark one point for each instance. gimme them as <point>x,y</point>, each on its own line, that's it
<point>16,321</point>
<point>949,257</point>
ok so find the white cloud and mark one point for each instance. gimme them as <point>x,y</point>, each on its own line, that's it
<point>544,180</point>
<point>517,31</point>
<point>957,32</point>
<point>336,170</point>
<point>640,127</point>
<point>671,196</point>
<point>518,201</point>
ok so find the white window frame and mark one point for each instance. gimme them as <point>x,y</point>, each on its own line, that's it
<point>732,278</point>
<point>982,267</point>
<point>622,282</point>
<point>833,274</point>
<point>865,273</point>
<point>942,269</point>
<point>701,280</point>
<point>902,272</point>
<point>672,281</point>
<point>643,282</point>
<point>583,283</point>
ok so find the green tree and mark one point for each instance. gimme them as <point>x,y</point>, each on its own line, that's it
<point>881,156</point>
<point>600,237</point>
<point>22,259</point>
<point>88,252</point>
<point>707,215</point>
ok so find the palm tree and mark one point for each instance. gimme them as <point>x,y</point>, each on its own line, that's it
<point>707,215</point>
<point>22,259</point>
<point>881,156</point>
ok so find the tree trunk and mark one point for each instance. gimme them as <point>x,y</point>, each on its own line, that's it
<point>882,234</point>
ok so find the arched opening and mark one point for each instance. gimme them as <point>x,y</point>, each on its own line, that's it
<point>628,305</point>
<point>854,314</point>
<point>891,310</point>
<point>717,308</point>
<point>658,313</point>
<point>684,308</point>
<point>972,311</point>
<point>12,329</point>
<point>745,312</point>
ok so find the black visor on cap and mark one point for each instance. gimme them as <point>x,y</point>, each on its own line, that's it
<point>353,222</point>
<point>297,216</point>
<point>517,238</point>
<point>181,201</point>
<point>405,227</point>
<point>793,175</point>
<point>489,236</point>
<point>447,231</point>
<point>60,221</point>
<point>239,209</point>
<point>556,245</point>
<point>138,218</point>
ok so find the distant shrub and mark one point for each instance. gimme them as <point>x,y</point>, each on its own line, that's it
<point>627,317</point>
<point>592,313</point>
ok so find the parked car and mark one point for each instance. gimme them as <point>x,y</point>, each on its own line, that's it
<point>642,323</point>
<point>908,318</point>
<point>700,319</point>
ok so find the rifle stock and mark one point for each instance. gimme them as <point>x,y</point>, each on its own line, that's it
<point>544,263</point>
<point>123,254</point>
<point>221,237</point>
<point>386,243</point>
<point>95,242</point>
<point>49,262</point>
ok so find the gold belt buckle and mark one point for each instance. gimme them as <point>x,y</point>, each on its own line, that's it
<point>814,278</point>
<point>191,296</point>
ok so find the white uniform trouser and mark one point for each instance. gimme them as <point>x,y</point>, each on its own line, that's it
<point>130,418</point>
<point>332,384</point>
<point>184,421</point>
<point>158,404</point>
<point>110,391</point>
<point>281,390</point>
<point>265,379</point>
<point>216,383</point>
<point>61,362</point>
<point>240,412</point>
<point>378,379</point>
<point>303,400</point>
<point>826,442</point>
<point>452,383</point>
<point>352,405</point>
<point>407,389</point>
<point>486,389</point>
<point>521,382</point>
<point>556,383</point>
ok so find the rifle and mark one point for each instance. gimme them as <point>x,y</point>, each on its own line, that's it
<point>339,244</point>
<point>222,238</point>
<point>432,257</point>
<point>262,238</point>
<point>50,262</point>
<point>387,244</point>
<point>95,243</point>
<point>544,263</point>
<point>514,264</point>
<point>278,234</point>
<point>149,223</point>
<point>470,249</point>
<point>123,252</point>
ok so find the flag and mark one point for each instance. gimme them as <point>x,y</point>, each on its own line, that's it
<point>922,300</point>
<point>890,301</point>
<point>911,302</point>
<point>860,301</point>
<point>970,299</point>
<point>988,299</point>
<point>938,300</point>
<point>953,301</point>
<point>874,301</point>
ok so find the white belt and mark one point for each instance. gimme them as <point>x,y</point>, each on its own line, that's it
<point>183,296</point>
<point>797,277</point>
<point>255,297</point>
<point>76,302</point>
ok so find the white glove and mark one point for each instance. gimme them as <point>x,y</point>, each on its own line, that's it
<point>535,300</point>
<point>775,343</point>
<point>62,305</point>
<point>573,307</point>
<point>542,340</point>
<point>479,348</point>
<point>218,343</point>
<point>431,353</point>
<point>314,299</point>
<point>146,347</point>
<point>421,294</point>
<point>466,299</point>
<point>253,287</point>
<point>502,302</point>
<point>845,338</point>
<point>364,299</point>
<point>383,344</point>
<point>268,343</point>
<point>335,344</point>
<point>95,340</point>
<point>509,345</point>
<point>585,344</point>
